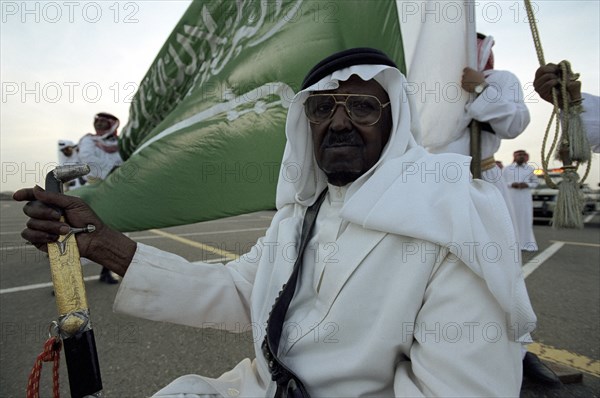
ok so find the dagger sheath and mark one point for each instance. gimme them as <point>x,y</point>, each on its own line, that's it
<point>82,365</point>
<point>74,324</point>
<point>74,321</point>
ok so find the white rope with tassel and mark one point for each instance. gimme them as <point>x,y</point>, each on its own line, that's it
<point>573,148</point>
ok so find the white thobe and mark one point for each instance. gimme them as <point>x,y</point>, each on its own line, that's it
<point>328,227</point>
<point>590,118</point>
<point>502,106</point>
<point>374,314</point>
<point>101,162</point>
<point>522,202</point>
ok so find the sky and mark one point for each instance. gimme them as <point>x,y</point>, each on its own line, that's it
<point>63,62</point>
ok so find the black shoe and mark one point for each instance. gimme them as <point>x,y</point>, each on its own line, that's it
<point>534,370</point>
<point>106,277</point>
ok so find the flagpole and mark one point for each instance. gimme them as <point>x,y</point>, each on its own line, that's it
<point>475,129</point>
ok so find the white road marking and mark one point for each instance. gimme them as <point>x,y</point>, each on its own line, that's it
<point>229,231</point>
<point>39,285</point>
<point>538,260</point>
<point>87,278</point>
<point>17,247</point>
<point>528,268</point>
<point>150,237</point>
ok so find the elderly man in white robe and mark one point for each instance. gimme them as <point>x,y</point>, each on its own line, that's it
<point>520,180</point>
<point>426,298</point>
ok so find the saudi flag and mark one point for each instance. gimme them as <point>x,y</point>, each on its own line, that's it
<point>206,128</point>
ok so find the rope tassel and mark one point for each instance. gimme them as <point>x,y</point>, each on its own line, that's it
<point>579,148</point>
<point>574,148</point>
<point>569,204</point>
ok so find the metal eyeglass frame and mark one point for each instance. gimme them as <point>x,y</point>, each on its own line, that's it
<point>337,103</point>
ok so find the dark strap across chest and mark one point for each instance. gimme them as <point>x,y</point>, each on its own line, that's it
<point>288,384</point>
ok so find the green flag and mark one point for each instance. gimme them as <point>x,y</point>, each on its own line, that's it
<point>206,128</point>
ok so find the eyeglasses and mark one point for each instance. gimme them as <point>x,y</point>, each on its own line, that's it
<point>362,109</point>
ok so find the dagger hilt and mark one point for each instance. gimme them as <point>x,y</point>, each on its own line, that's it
<point>56,178</point>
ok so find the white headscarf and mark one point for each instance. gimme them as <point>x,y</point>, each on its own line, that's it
<point>484,52</point>
<point>301,180</point>
<point>413,193</point>
<point>62,144</point>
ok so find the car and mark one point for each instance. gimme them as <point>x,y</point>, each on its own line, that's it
<point>544,197</point>
<point>591,199</point>
<point>544,200</point>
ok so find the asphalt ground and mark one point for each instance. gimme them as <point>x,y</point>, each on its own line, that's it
<point>138,357</point>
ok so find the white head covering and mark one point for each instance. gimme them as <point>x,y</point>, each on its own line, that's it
<point>65,143</point>
<point>413,193</point>
<point>301,180</point>
<point>62,157</point>
<point>484,51</point>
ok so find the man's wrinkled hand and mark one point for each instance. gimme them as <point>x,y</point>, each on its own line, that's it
<point>45,226</point>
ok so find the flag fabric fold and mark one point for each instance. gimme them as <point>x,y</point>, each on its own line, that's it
<point>206,133</point>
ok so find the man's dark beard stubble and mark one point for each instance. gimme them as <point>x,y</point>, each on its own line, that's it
<point>342,178</point>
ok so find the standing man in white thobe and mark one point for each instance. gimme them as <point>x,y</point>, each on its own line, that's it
<point>499,108</point>
<point>520,179</point>
<point>100,151</point>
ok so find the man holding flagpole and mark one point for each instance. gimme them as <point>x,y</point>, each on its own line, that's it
<point>499,108</point>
